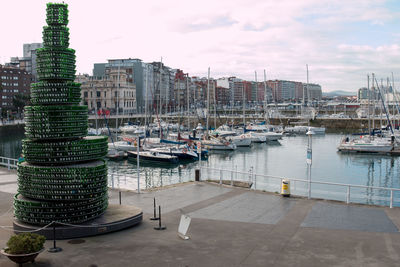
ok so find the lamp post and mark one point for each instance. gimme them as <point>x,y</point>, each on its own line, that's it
<point>309,159</point>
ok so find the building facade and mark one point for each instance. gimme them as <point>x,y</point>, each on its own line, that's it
<point>113,90</point>
<point>313,92</point>
<point>139,73</point>
<point>28,61</point>
<point>13,82</point>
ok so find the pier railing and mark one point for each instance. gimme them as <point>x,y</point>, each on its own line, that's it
<point>8,162</point>
<point>265,183</point>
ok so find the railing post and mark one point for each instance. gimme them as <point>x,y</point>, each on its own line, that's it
<point>8,164</point>
<point>220,177</point>
<point>255,181</point>
<point>348,195</point>
<point>391,198</point>
<point>232,178</point>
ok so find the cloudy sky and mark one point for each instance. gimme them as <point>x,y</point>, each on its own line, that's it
<point>341,40</point>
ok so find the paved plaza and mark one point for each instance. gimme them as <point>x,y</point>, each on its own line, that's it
<point>229,227</point>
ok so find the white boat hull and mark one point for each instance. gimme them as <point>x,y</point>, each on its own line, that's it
<point>366,146</point>
<point>241,142</point>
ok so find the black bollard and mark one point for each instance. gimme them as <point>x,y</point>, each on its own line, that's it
<point>54,249</point>
<point>155,215</point>
<point>160,227</point>
<point>120,197</point>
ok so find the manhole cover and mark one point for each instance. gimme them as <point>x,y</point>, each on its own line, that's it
<point>76,241</point>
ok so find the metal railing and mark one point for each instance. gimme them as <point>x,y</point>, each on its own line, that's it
<point>8,162</point>
<point>252,177</point>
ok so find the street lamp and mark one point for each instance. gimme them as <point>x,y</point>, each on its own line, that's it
<point>309,133</point>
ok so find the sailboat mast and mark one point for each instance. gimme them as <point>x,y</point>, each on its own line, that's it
<point>369,98</point>
<point>116,127</point>
<point>160,100</point>
<point>145,103</point>
<point>265,95</point>
<point>373,110</point>
<point>256,84</point>
<point>308,95</point>
<point>208,100</point>
<point>384,107</point>
<point>215,107</point>
<point>244,106</point>
<point>308,98</point>
<point>188,99</point>
<point>394,100</point>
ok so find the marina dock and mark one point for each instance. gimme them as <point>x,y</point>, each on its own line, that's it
<point>230,227</point>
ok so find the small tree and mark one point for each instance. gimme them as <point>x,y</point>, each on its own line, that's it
<point>25,243</point>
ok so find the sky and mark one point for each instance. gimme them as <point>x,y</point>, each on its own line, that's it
<point>341,40</point>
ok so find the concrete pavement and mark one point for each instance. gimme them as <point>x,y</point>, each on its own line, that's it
<point>232,227</point>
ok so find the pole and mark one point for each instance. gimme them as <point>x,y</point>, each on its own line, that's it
<point>265,96</point>
<point>369,99</point>
<point>160,109</point>
<point>244,111</point>
<point>309,160</point>
<point>215,107</point>
<point>95,115</point>
<point>208,100</point>
<point>116,123</point>
<point>188,101</point>
<point>145,102</point>
<point>199,154</point>
<point>54,249</point>
<point>137,164</point>
<point>154,218</point>
<point>373,111</point>
<point>255,75</point>
<point>160,227</point>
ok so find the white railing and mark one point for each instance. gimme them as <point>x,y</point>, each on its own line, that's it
<point>8,162</point>
<point>252,177</point>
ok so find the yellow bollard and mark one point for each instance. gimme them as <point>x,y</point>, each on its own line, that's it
<point>285,188</point>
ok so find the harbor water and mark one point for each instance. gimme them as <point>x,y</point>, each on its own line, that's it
<point>283,159</point>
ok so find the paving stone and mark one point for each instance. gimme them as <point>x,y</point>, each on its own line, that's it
<point>337,216</point>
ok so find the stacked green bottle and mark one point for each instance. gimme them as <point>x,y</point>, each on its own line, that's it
<point>64,177</point>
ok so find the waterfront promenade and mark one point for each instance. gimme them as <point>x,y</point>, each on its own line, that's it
<point>230,227</point>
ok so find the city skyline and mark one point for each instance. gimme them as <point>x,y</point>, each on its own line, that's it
<point>340,41</point>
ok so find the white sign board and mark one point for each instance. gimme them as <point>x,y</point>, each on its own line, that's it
<point>184,226</point>
<point>309,156</point>
<point>198,147</point>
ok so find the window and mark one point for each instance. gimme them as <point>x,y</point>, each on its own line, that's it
<point>16,90</point>
<point>15,77</point>
<point>116,93</point>
<point>4,97</point>
<point>91,94</point>
<point>15,84</point>
<point>98,93</point>
<point>105,94</point>
<point>85,94</point>
<point>98,104</point>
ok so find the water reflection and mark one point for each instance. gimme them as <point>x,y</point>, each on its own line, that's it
<point>286,158</point>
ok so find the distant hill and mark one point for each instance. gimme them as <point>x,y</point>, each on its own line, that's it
<point>338,93</point>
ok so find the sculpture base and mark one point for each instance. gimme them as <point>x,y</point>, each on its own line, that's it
<point>115,218</point>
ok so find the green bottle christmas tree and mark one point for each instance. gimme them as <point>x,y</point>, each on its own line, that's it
<point>64,178</point>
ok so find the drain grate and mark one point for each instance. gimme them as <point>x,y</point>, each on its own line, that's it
<point>76,241</point>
